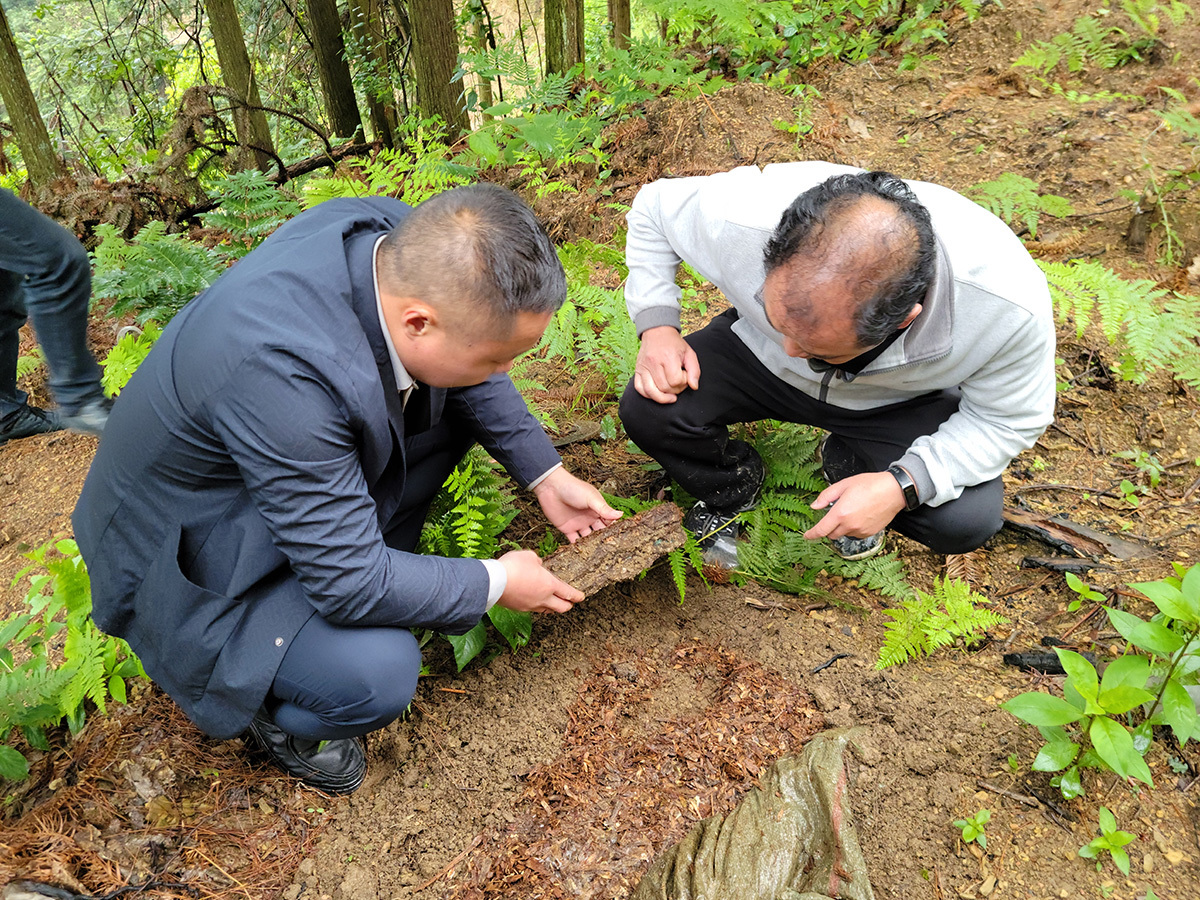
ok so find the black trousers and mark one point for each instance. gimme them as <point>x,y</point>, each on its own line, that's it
<point>690,438</point>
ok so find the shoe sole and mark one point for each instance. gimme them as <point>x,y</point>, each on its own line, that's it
<point>865,554</point>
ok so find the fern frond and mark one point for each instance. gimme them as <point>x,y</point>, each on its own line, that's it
<point>929,622</point>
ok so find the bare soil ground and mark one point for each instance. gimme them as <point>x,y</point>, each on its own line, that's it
<point>560,771</point>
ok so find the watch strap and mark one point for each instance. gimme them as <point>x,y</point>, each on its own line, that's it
<point>911,500</point>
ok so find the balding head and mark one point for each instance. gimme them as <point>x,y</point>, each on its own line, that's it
<point>478,255</point>
<point>863,239</point>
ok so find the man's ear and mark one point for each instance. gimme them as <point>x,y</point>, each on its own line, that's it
<point>417,318</point>
<point>912,314</point>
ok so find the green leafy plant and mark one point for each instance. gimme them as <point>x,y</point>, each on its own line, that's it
<point>1154,685</point>
<point>126,355</point>
<point>1112,841</point>
<point>1015,198</point>
<point>972,828</point>
<point>30,362</point>
<point>934,620</point>
<point>250,206</point>
<point>1084,590</point>
<point>1150,328</point>
<point>153,275</point>
<point>37,690</point>
<point>1094,706</point>
<point>465,520</point>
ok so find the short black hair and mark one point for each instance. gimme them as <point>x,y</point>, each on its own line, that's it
<point>477,251</point>
<point>806,221</point>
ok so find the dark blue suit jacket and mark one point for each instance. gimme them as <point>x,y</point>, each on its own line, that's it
<point>255,472</point>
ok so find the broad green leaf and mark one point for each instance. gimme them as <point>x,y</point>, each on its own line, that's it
<point>1120,857</point>
<point>467,646</point>
<point>1179,711</point>
<point>1082,677</point>
<point>1153,637</point>
<point>1190,587</point>
<point>1041,709</point>
<point>1114,745</point>
<point>1108,822</point>
<point>1126,671</point>
<point>1069,783</point>
<point>1143,737</point>
<point>517,627</point>
<point>1055,756</point>
<point>13,766</point>
<point>116,687</point>
<point>1122,698</point>
<point>1170,600</point>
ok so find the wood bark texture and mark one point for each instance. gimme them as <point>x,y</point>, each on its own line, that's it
<point>41,162</point>
<point>621,551</point>
<point>332,69</point>
<point>250,122</point>
<point>435,57</point>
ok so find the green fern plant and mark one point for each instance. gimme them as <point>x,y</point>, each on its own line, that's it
<point>419,166</point>
<point>30,362</point>
<point>465,520</point>
<point>250,206</point>
<point>1015,198</point>
<point>155,274</point>
<point>1150,328</point>
<point>126,355</point>
<point>36,692</point>
<point>775,551</point>
<point>932,621</point>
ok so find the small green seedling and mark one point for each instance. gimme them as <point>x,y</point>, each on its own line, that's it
<point>1084,590</point>
<point>972,828</point>
<point>1111,839</point>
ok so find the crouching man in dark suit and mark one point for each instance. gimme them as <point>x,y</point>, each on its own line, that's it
<point>250,519</point>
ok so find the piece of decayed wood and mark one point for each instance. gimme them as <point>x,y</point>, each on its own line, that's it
<point>619,552</point>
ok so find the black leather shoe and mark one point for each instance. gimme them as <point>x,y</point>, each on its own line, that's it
<point>335,767</point>
<point>26,422</point>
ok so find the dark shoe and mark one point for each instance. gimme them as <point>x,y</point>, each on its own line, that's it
<point>89,418</point>
<point>837,460</point>
<point>852,548</point>
<point>716,532</point>
<point>335,767</point>
<point>26,422</point>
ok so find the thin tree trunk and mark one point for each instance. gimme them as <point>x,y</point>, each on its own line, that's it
<point>480,26</point>
<point>618,18</point>
<point>253,131</point>
<point>326,30</point>
<point>41,162</point>
<point>366,21</point>
<point>564,35</point>
<point>435,58</point>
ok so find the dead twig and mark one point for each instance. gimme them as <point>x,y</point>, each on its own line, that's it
<point>1011,795</point>
<point>454,862</point>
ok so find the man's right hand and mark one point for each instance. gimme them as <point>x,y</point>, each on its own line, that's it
<point>531,587</point>
<point>666,364</point>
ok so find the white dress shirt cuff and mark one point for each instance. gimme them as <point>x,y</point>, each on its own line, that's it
<point>497,580</point>
<point>542,477</point>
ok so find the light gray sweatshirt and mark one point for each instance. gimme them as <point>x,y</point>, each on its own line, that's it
<point>986,325</point>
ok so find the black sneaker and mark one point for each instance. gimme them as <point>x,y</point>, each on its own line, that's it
<point>716,532</point>
<point>89,418</point>
<point>26,422</point>
<point>335,767</point>
<point>853,549</point>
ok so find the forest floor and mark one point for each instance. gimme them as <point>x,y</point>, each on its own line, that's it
<point>484,791</point>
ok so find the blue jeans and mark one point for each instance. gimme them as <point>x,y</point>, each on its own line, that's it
<point>45,274</point>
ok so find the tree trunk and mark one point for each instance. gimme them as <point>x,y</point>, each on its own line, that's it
<point>618,18</point>
<point>41,162</point>
<point>483,41</point>
<point>564,35</point>
<point>366,21</point>
<point>435,57</point>
<point>326,30</point>
<point>254,134</point>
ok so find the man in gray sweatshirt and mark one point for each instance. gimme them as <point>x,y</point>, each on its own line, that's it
<point>901,317</point>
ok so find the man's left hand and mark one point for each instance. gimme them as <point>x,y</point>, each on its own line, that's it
<point>866,503</point>
<point>573,506</point>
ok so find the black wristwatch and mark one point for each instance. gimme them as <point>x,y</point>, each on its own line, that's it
<point>911,500</point>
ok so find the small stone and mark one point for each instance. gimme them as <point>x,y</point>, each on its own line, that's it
<point>1064,893</point>
<point>292,892</point>
<point>989,885</point>
<point>1174,857</point>
<point>1148,863</point>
